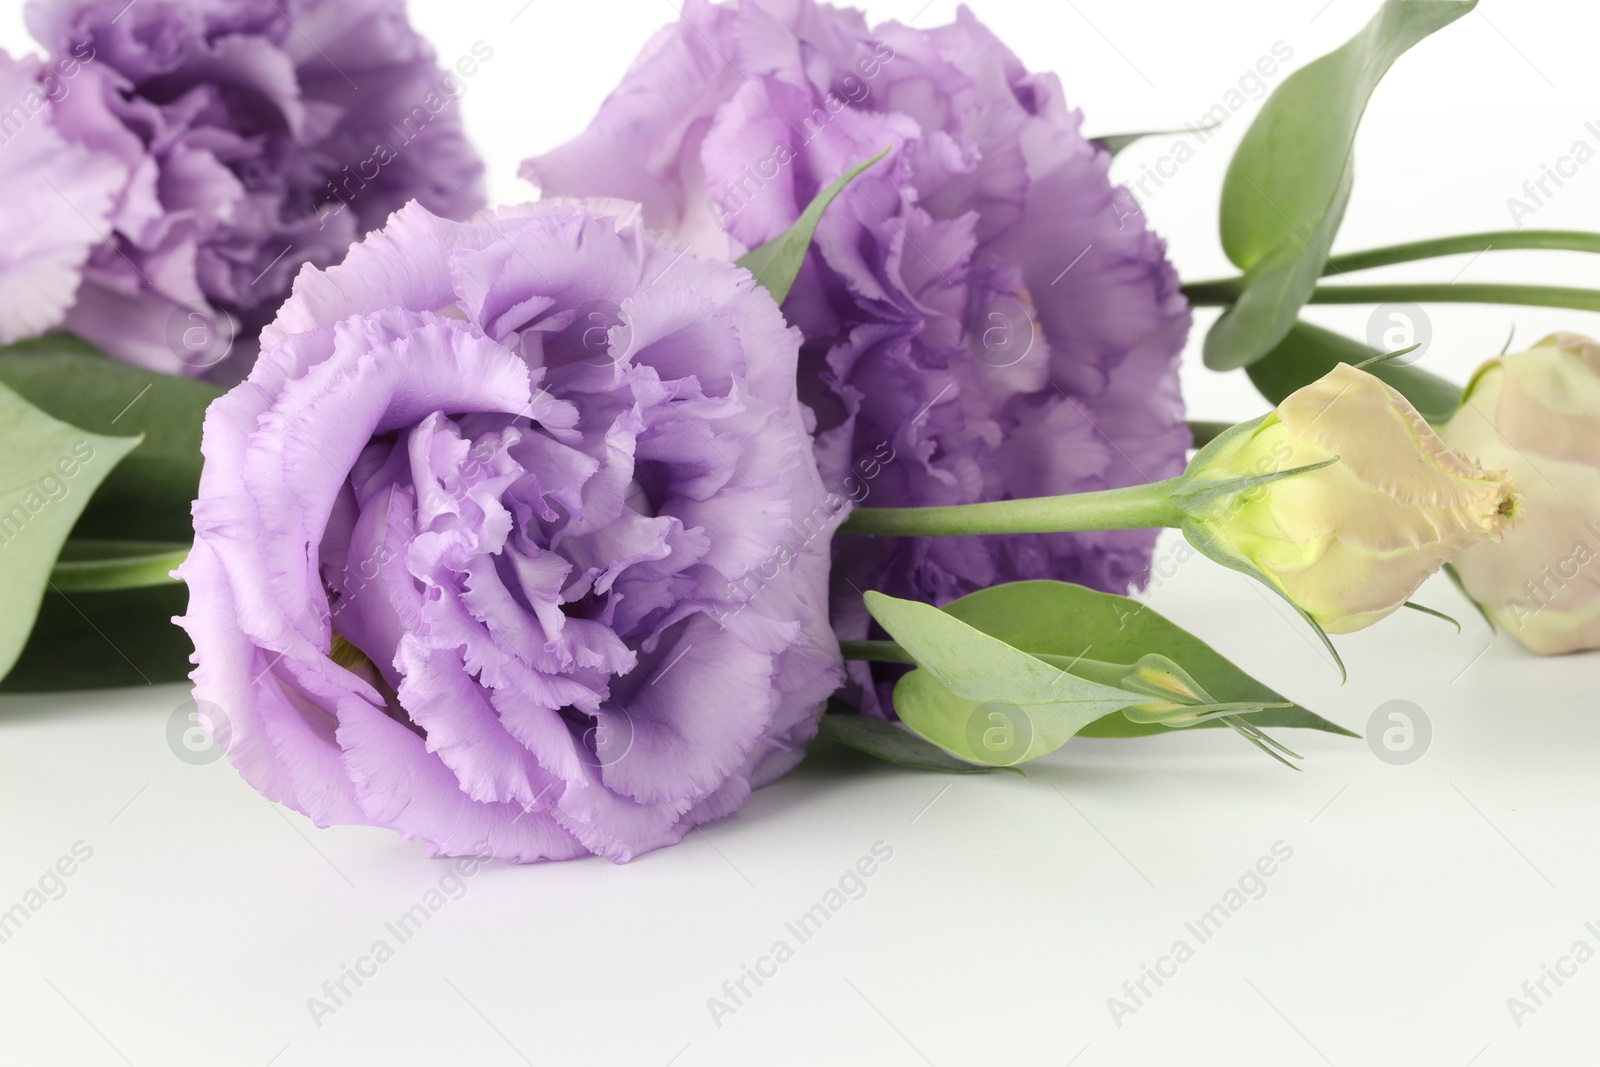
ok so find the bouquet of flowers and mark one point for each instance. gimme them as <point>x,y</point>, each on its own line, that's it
<point>830,388</point>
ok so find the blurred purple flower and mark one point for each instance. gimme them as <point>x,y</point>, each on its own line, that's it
<point>504,542</point>
<point>57,199</point>
<point>983,320</point>
<point>257,135</point>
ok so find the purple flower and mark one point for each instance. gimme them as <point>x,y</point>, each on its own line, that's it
<point>257,135</point>
<point>506,542</point>
<point>57,199</point>
<point>985,316</point>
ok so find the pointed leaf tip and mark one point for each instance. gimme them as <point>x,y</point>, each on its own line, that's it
<point>1289,183</point>
<point>777,263</point>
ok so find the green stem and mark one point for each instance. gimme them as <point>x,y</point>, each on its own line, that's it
<point>1215,292</point>
<point>1134,508</point>
<point>1549,296</point>
<point>98,566</point>
<point>1225,292</point>
<point>876,652</point>
<point>1463,244</point>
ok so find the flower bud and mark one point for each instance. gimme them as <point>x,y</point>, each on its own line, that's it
<point>1537,413</point>
<point>1384,504</point>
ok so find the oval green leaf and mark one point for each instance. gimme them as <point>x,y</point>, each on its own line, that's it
<point>1288,184</point>
<point>51,471</point>
<point>147,496</point>
<point>965,678</point>
<point>1061,619</point>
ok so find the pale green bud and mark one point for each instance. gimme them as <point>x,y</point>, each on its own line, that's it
<point>1387,504</point>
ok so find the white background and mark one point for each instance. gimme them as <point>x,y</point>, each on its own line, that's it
<point>1417,900</point>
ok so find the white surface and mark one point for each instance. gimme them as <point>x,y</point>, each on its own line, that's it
<point>1417,900</point>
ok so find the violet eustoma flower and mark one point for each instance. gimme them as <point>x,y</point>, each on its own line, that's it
<point>986,317</point>
<point>258,135</point>
<point>57,200</point>
<point>476,541</point>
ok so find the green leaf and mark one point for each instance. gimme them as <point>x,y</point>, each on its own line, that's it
<point>51,471</point>
<point>970,687</point>
<point>1116,142</point>
<point>894,744</point>
<point>1288,184</point>
<point>103,641</point>
<point>965,726</point>
<point>1424,609</point>
<point>147,497</point>
<point>1004,697</point>
<point>98,566</point>
<point>1205,496</point>
<point>1461,587</point>
<point>1059,619</point>
<point>777,263</point>
<point>1308,352</point>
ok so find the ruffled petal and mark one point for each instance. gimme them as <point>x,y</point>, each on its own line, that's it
<point>502,590</point>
